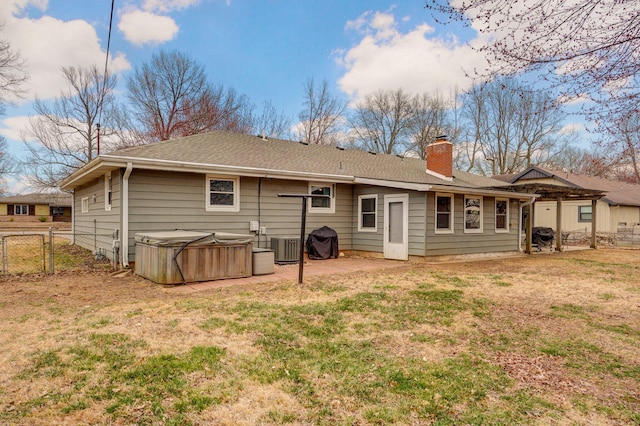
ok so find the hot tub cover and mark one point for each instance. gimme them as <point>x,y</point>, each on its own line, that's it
<point>180,237</point>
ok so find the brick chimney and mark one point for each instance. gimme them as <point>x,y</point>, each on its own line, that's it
<point>440,158</point>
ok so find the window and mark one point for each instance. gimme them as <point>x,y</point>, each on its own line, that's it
<point>57,211</point>
<point>21,209</point>
<point>444,213</point>
<point>223,194</point>
<point>584,213</point>
<point>85,205</point>
<point>472,214</point>
<point>107,191</point>
<point>502,215</point>
<point>368,213</point>
<point>322,205</point>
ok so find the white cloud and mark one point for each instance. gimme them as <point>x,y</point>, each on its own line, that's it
<point>387,59</point>
<point>12,127</point>
<point>140,27</point>
<point>168,5</point>
<point>16,6</point>
<point>47,44</point>
<point>572,128</point>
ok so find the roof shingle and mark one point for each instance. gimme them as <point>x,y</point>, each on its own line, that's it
<point>248,151</point>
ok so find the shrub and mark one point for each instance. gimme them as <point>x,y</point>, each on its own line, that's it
<point>43,218</point>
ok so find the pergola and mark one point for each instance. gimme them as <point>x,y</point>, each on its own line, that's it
<point>558,193</point>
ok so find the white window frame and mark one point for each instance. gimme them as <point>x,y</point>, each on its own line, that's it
<point>236,194</point>
<point>108,191</point>
<point>506,219</point>
<point>84,205</point>
<point>450,229</point>
<point>332,198</point>
<point>464,214</point>
<point>374,228</point>
<point>15,209</point>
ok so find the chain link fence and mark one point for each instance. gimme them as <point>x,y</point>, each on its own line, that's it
<point>625,236</point>
<point>50,252</point>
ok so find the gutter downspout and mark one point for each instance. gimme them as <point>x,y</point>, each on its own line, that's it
<point>125,215</point>
<point>73,217</point>
<point>522,204</point>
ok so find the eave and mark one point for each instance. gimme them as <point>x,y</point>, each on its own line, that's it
<point>106,163</point>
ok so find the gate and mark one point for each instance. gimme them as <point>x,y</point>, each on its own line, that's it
<point>23,253</point>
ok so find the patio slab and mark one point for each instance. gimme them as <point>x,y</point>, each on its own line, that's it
<point>290,272</point>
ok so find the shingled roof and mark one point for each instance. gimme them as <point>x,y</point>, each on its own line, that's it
<point>616,192</point>
<point>56,199</point>
<point>249,152</point>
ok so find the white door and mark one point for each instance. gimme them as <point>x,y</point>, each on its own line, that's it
<point>396,227</point>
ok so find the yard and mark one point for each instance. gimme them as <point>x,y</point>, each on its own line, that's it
<point>546,339</point>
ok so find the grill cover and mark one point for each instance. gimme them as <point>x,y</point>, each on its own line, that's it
<point>542,236</point>
<point>322,243</point>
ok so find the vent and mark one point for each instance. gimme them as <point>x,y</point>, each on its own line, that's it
<point>286,249</point>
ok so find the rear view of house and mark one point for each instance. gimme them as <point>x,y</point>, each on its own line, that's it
<point>383,205</point>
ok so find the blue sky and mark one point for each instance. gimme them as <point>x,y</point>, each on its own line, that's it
<point>264,49</point>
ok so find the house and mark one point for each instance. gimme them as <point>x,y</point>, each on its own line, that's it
<point>386,205</point>
<point>36,207</point>
<point>617,205</point>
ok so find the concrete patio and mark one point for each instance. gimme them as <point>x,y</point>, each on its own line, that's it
<point>290,272</point>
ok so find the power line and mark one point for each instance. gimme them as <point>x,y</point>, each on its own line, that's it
<point>106,67</point>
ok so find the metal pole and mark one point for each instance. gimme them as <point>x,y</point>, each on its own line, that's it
<point>594,219</point>
<point>302,225</point>
<point>51,250</point>
<point>559,223</point>
<point>4,255</point>
<point>302,228</point>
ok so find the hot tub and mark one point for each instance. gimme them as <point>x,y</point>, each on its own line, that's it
<point>177,257</point>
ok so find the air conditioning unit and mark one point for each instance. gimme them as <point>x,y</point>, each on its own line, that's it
<point>286,249</point>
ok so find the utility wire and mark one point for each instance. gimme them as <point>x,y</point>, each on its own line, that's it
<point>106,66</point>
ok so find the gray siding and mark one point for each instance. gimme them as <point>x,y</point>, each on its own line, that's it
<point>460,242</point>
<point>160,201</point>
<point>417,223</point>
<point>373,241</point>
<point>94,230</point>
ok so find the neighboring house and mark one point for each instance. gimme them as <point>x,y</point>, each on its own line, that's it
<point>618,207</point>
<point>36,207</point>
<point>222,181</point>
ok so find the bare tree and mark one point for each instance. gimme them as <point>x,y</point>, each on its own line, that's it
<point>271,123</point>
<point>7,167</point>
<point>432,118</point>
<point>216,109</point>
<point>510,127</point>
<point>12,79</point>
<point>591,161</point>
<point>383,122</point>
<point>583,48</point>
<point>12,75</point>
<point>171,97</point>
<point>622,147</point>
<point>63,136</point>
<point>322,116</point>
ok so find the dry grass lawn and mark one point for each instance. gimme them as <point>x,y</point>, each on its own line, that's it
<point>546,339</point>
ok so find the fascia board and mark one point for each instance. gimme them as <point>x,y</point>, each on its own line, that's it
<point>481,191</point>
<point>98,165</point>
<point>422,187</point>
